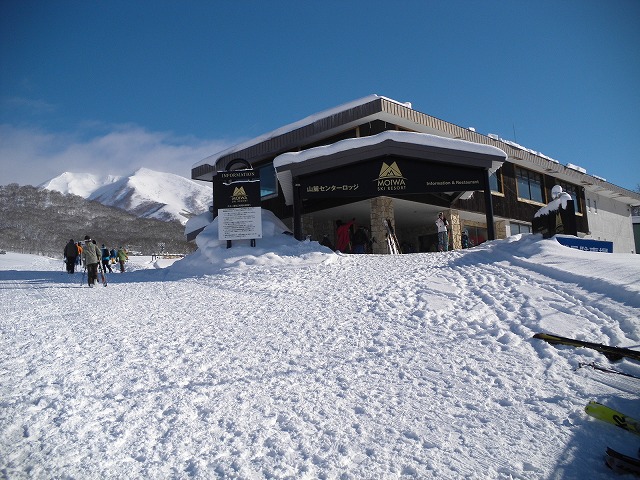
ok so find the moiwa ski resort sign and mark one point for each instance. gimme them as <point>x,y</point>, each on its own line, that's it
<point>389,176</point>
<point>237,199</point>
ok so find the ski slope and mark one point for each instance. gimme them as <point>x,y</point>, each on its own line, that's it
<point>294,362</point>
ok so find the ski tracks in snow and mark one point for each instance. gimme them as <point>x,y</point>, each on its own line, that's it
<point>404,372</point>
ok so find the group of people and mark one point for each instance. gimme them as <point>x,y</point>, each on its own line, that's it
<point>358,241</point>
<point>92,257</point>
<point>349,240</point>
<point>443,234</point>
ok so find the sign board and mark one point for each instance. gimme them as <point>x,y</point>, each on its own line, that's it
<point>391,175</point>
<point>239,223</point>
<point>237,188</point>
<point>585,244</point>
<point>236,196</point>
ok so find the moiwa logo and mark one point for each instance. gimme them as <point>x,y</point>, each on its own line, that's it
<point>391,178</point>
<point>239,195</point>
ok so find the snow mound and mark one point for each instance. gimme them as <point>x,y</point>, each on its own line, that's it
<point>276,247</point>
<point>616,276</point>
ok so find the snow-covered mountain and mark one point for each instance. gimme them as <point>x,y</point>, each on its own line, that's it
<point>145,193</point>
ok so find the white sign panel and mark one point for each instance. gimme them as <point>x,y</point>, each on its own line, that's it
<point>239,223</point>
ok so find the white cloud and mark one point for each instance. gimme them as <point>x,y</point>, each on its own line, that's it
<point>30,156</point>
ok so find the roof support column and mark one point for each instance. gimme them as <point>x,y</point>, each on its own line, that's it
<point>381,209</point>
<point>297,210</point>
<point>488,201</point>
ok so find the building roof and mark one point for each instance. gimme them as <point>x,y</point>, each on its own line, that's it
<point>420,146</point>
<point>331,122</point>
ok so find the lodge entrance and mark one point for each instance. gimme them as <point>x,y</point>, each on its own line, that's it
<point>392,165</point>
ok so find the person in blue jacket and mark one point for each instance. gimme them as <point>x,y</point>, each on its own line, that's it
<point>106,259</point>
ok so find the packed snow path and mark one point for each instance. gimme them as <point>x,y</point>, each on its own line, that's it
<point>410,366</point>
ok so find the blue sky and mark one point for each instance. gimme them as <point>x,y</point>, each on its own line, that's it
<point>107,87</point>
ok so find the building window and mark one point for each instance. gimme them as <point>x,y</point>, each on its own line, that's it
<point>589,204</point>
<point>520,228</point>
<point>529,185</point>
<point>495,181</point>
<point>573,191</point>
<point>595,207</point>
<point>268,183</point>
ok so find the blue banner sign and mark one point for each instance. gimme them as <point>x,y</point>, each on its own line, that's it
<point>584,244</point>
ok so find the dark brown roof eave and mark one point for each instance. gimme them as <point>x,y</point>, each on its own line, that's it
<point>293,139</point>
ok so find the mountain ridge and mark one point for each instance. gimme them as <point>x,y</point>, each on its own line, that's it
<point>41,221</point>
<point>145,193</point>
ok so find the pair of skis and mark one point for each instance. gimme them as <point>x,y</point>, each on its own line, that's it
<point>392,240</point>
<point>618,462</point>
<point>612,353</point>
<point>621,463</point>
<point>103,275</point>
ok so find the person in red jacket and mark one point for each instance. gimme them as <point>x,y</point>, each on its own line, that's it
<point>343,236</point>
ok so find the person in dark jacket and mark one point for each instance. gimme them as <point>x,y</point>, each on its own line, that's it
<point>106,259</point>
<point>325,242</point>
<point>70,254</point>
<point>360,240</point>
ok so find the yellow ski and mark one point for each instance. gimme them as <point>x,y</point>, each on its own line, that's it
<point>609,415</point>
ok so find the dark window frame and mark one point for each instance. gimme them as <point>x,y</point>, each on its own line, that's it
<point>499,182</point>
<point>573,191</point>
<point>265,170</point>
<point>534,186</point>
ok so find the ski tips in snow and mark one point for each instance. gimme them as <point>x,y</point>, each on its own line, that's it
<point>616,461</point>
<point>614,417</point>
<point>612,353</point>
<point>621,463</point>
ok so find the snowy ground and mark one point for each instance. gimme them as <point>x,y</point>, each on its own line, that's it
<point>301,363</point>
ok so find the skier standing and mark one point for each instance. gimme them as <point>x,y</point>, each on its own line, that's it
<point>443,234</point>
<point>122,257</point>
<point>465,238</point>
<point>106,259</point>
<point>70,254</point>
<point>91,257</point>
<point>79,257</point>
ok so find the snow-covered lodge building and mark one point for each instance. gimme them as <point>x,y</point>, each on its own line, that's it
<point>376,158</point>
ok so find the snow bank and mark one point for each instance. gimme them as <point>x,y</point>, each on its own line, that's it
<point>276,247</point>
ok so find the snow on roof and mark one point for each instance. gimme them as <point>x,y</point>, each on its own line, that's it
<point>525,149</point>
<point>211,160</point>
<point>285,176</point>
<point>576,168</point>
<point>404,137</point>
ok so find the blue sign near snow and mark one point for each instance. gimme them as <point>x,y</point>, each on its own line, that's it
<point>585,244</point>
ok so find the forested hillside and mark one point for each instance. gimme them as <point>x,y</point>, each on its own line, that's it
<point>42,222</point>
